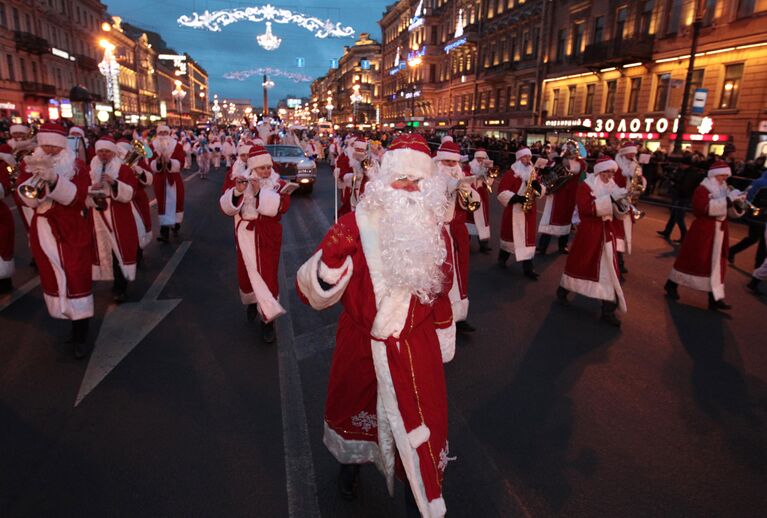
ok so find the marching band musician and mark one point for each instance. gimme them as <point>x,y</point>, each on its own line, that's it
<point>447,158</point>
<point>385,263</point>
<point>114,226</point>
<point>22,144</point>
<point>591,269</point>
<point>518,226</point>
<point>141,211</point>
<point>167,157</point>
<point>479,221</point>
<point>628,167</point>
<point>354,176</point>
<point>239,168</point>
<point>257,202</point>
<point>60,236</point>
<point>702,260</point>
<point>7,227</point>
<point>560,205</point>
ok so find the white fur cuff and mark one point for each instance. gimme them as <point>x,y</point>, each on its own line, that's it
<point>64,192</point>
<point>717,208</point>
<point>446,339</point>
<point>227,206</point>
<point>505,197</point>
<point>332,275</point>
<point>309,284</point>
<point>124,192</point>
<point>268,203</point>
<point>418,436</point>
<point>604,205</point>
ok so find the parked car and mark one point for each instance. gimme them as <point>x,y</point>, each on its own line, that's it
<point>292,164</point>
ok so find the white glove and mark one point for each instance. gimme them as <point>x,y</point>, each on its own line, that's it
<point>465,187</point>
<point>49,175</point>
<point>452,184</point>
<point>619,193</point>
<point>735,194</point>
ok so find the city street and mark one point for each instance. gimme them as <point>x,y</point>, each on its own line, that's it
<point>182,411</point>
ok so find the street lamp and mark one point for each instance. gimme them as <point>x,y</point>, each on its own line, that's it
<point>178,95</point>
<point>413,63</point>
<point>356,98</point>
<point>110,69</point>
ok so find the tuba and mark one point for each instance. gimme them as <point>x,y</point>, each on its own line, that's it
<point>137,152</point>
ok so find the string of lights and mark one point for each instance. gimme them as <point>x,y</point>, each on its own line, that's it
<point>242,75</point>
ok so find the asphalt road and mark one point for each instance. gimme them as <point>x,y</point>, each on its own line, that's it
<point>551,412</point>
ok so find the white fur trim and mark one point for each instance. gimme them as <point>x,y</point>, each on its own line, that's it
<point>260,160</point>
<point>268,203</point>
<point>408,162</point>
<point>124,192</point>
<point>604,206</point>
<point>348,451</point>
<point>268,306</point>
<point>51,139</point>
<point>169,218</point>
<point>607,288</point>
<point>717,208</point>
<point>162,127</point>
<point>437,508</point>
<point>64,192</point>
<point>522,152</point>
<point>18,128</point>
<point>248,298</point>
<point>7,268</point>
<point>227,206</point>
<point>625,150</point>
<point>309,284</point>
<point>106,144</point>
<point>545,226</point>
<point>144,236</point>
<point>446,138</point>
<point>481,154</point>
<point>607,165</point>
<point>419,435</point>
<point>505,197</point>
<point>175,166</point>
<point>333,275</point>
<point>446,155</point>
<point>460,309</point>
<point>8,159</point>
<point>446,338</point>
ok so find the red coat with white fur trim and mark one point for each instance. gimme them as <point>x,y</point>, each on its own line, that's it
<point>7,228</point>
<point>517,227</point>
<point>168,176</point>
<point>406,372</point>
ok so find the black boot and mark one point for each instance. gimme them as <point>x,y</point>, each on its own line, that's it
<point>716,305</point>
<point>164,236</point>
<point>608,313</point>
<point>562,242</point>
<point>562,294</point>
<point>528,271</point>
<point>347,481</point>
<point>484,246</point>
<point>80,337</point>
<point>251,312</point>
<point>139,258</point>
<point>543,244</point>
<point>464,327</point>
<point>176,229</point>
<point>267,332</point>
<point>503,256</point>
<point>411,507</point>
<point>753,285</point>
<point>672,290</point>
<point>120,285</point>
<point>621,264</point>
<point>6,285</point>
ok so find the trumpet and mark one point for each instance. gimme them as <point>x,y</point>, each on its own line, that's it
<point>471,205</point>
<point>137,152</point>
<point>742,205</point>
<point>624,206</point>
<point>493,173</point>
<point>34,190</point>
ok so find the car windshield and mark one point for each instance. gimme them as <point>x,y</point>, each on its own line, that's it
<point>285,151</point>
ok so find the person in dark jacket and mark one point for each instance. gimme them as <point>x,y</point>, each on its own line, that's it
<point>683,183</point>
<point>755,224</point>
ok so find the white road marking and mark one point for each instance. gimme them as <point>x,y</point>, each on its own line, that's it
<point>9,299</point>
<point>126,325</point>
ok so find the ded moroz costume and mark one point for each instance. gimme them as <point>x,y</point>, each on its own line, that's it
<point>352,176</point>
<point>166,161</point>
<point>478,221</point>
<point>558,212</point>
<point>7,228</point>
<point>628,167</point>
<point>141,209</point>
<point>385,263</point>
<point>60,236</point>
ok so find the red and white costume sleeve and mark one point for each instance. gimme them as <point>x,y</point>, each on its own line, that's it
<point>343,171</point>
<point>478,221</point>
<point>558,211</point>
<point>258,236</point>
<point>517,227</point>
<point>7,227</point>
<point>458,253</point>
<point>168,185</point>
<point>386,393</point>
<point>592,266</point>
<point>702,260</point>
<point>624,224</point>
<point>141,211</point>
<point>61,238</point>
<point>114,228</point>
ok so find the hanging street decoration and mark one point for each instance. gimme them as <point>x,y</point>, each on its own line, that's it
<point>269,41</point>
<point>242,75</point>
<point>215,20</point>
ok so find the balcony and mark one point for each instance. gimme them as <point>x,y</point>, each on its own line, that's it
<point>618,52</point>
<point>42,89</point>
<point>86,62</point>
<point>28,42</point>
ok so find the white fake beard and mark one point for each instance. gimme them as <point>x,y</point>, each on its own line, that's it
<point>164,145</point>
<point>239,168</point>
<point>454,171</point>
<point>412,248</point>
<point>63,163</point>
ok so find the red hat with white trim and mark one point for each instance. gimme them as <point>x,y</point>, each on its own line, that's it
<point>18,128</point>
<point>258,156</point>
<point>719,168</point>
<point>605,163</point>
<point>446,138</point>
<point>360,144</point>
<point>448,150</point>
<point>6,154</point>
<point>52,134</point>
<point>107,143</point>
<point>409,155</point>
<point>76,131</point>
<point>481,153</point>
<point>525,151</point>
<point>628,147</point>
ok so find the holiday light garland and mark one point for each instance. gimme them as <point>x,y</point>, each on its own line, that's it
<point>215,20</point>
<point>242,75</point>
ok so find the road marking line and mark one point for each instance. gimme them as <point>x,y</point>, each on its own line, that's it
<point>7,300</point>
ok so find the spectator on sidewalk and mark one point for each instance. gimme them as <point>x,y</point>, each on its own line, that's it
<point>683,183</point>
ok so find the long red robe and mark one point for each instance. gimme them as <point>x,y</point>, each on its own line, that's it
<point>141,211</point>
<point>387,387</point>
<point>7,228</point>
<point>558,212</point>
<point>702,260</point>
<point>169,185</point>
<point>517,227</point>
<point>479,222</point>
<point>60,238</point>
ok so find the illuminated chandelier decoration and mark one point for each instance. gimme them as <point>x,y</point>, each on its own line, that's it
<point>215,20</point>
<point>242,75</point>
<point>269,41</point>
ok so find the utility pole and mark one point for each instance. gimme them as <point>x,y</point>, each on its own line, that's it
<point>696,25</point>
<point>266,96</point>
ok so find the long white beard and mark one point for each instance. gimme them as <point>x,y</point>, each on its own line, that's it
<point>239,168</point>
<point>63,163</point>
<point>627,167</point>
<point>454,172</point>
<point>164,146</point>
<point>522,170</point>
<point>112,169</point>
<point>412,248</point>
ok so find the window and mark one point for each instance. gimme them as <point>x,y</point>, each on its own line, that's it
<point>645,18</point>
<point>511,100</point>
<point>599,29</point>
<point>709,10</point>
<point>578,38</point>
<point>620,23</point>
<point>527,48</point>
<point>11,70</point>
<point>636,86</point>
<point>555,103</point>
<point>524,95</point>
<point>561,44</point>
<point>612,87</point>
<point>499,99</point>
<point>589,108</point>
<point>16,21</point>
<point>673,16</point>
<point>29,23</point>
<point>3,18</point>
<point>661,92</point>
<point>749,7</point>
<point>23,69</point>
<point>571,99</point>
<point>35,76</point>
<point>732,77</point>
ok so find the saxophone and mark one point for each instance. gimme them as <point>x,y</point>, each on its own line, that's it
<point>530,193</point>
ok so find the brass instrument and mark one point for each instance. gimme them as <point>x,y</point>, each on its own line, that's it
<point>137,152</point>
<point>624,206</point>
<point>471,205</point>
<point>742,205</point>
<point>493,173</point>
<point>530,193</point>
<point>36,188</point>
<point>636,187</point>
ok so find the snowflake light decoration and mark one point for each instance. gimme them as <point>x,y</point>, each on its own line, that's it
<point>215,20</point>
<point>242,75</point>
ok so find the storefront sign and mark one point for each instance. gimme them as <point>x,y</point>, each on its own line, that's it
<point>623,125</point>
<point>455,44</point>
<point>61,53</point>
<point>695,137</point>
<point>495,122</point>
<point>104,107</point>
<point>66,109</point>
<point>7,106</point>
<point>699,100</point>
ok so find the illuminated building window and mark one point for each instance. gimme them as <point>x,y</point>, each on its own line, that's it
<point>645,18</point>
<point>732,77</point>
<point>661,92</point>
<point>636,86</point>
<point>555,103</point>
<point>612,88</point>
<point>570,99</point>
